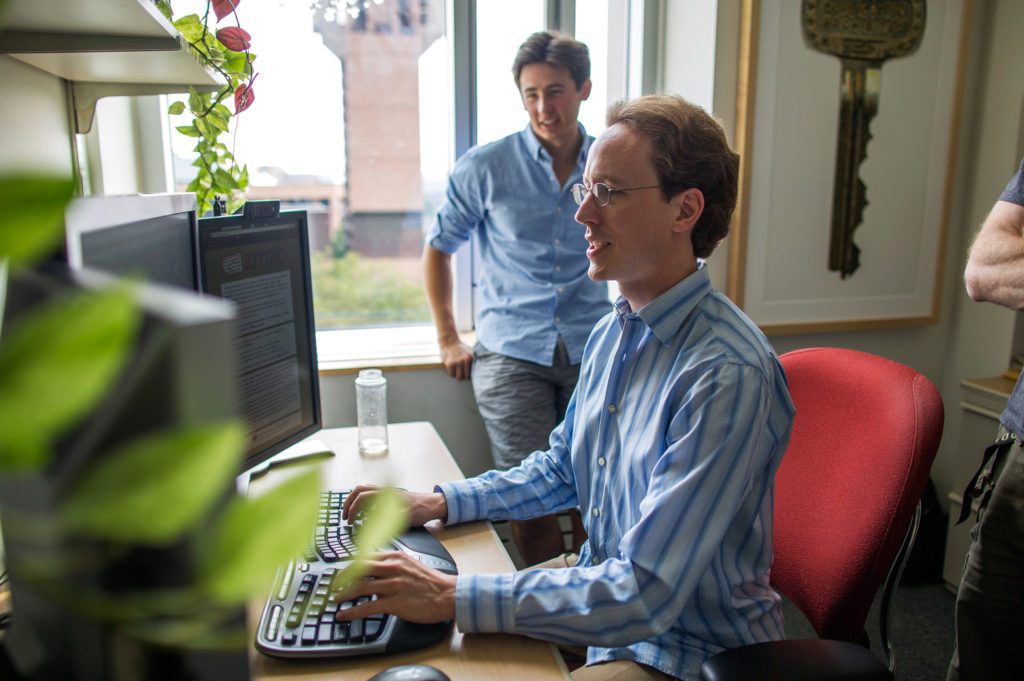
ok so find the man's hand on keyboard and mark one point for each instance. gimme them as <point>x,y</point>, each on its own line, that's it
<point>422,506</point>
<point>403,587</point>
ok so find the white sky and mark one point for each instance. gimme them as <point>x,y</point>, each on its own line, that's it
<point>295,122</point>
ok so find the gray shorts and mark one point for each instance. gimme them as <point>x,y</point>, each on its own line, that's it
<point>521,402</point>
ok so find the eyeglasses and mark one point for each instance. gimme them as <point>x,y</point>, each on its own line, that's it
<point>602,192</point>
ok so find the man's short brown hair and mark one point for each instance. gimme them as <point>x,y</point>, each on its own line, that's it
<point>688,150</point>
<point>558,49</point>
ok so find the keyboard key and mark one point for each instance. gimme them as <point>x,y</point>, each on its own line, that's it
<point>273,623</point>
<point>308,636</point>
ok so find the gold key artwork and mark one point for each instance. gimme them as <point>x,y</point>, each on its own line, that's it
<point>862,34</point>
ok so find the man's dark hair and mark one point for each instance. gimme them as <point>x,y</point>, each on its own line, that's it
<point>688,150</point>
<point>552,47</point>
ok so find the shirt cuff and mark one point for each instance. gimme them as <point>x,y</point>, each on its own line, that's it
<point>463,502</point>
<point>483,603</point>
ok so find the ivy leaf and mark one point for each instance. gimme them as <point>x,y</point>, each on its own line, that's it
<point>188,130</point>
<point>234,38</point>
<point>176,109</point>
<point>32,220</point>
<point>236,63</point>
<point>195,101</point>
<point>131,495</point>
<point>190,27</point>
<point>254,536</point>
<point>243,97</point>
<point>206,128</point>
<point>219,120</point>
<point>224,181</point>
<point>55,364</point>
<point>222,8</point>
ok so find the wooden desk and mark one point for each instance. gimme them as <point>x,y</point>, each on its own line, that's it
<point>417,460</point>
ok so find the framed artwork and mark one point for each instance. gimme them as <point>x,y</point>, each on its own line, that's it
<point>787,125</point>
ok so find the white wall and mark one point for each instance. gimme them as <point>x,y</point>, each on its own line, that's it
<point>419,395</point>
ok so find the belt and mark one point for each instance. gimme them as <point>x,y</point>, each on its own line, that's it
<point>979,483</point>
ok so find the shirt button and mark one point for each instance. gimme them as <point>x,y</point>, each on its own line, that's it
<point>611,408</point>
<point>558,268</point>
<point>600,461</point>
<point>558,241</point>
<point>561,289</point>
<point>595,560</point>
<point>596,513</point>
<point>558,319</point>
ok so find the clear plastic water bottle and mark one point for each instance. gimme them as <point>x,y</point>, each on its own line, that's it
<point>372,410</point>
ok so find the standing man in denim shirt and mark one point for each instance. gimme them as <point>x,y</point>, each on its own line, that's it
<point>536,303</point>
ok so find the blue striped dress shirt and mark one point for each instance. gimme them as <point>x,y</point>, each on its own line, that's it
<point>669,447</point>
<point>532,283</point>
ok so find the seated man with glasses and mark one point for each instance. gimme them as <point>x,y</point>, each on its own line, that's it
<point>669,446</point>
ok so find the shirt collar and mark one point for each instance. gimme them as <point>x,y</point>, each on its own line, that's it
<point>537,151</point>
<point>665,314</point>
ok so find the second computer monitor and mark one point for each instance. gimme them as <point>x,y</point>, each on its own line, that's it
<point>149,236</point>
<point>260,260</point>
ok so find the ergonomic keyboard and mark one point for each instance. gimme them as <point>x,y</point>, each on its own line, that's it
<point>298,618</point>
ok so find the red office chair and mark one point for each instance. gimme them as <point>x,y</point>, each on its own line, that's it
<point>847,506</point>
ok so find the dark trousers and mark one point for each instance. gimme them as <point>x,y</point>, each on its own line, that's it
<point>990,602</point>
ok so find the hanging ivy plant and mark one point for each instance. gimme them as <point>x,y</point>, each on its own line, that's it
<point>226,50</point>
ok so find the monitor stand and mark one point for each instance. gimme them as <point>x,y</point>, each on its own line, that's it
<point>310,450</point>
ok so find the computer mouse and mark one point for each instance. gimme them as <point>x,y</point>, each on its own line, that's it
<point>411,672</point>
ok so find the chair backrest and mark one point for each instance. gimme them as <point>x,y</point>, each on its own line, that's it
<point>865,434</point>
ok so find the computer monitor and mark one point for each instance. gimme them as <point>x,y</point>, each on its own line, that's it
<point>260,260</point>
<point>151,236</point>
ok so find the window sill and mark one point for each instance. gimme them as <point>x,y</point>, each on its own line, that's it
<point>397,347</point>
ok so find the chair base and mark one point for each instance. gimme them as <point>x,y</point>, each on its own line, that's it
<point>796,660</point>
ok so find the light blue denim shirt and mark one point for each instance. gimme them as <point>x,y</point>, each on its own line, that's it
<point>532,283</point>
<point>669,447</point>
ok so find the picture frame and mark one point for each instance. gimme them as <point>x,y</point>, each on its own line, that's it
<point>786,126</point>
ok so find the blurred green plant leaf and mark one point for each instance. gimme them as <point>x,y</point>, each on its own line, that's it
<point>254,536</point>
<point>133,495</point>
<point>54,365</point>
<point>32,221</point>
<point>382,520</point>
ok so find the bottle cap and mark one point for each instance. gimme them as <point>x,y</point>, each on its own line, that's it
<point>371,377</point>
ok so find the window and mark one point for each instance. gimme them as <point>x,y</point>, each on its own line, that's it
<point>350,122</point>
<point>353,121</point>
